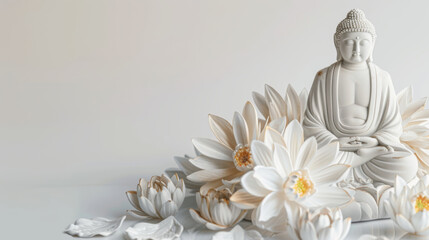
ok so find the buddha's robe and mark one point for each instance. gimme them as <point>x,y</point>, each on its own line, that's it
<point>322,120</point>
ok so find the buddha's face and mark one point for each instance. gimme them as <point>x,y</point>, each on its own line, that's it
<point>355,47</point>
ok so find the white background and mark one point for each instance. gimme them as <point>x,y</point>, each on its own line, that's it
<point>105,92</point>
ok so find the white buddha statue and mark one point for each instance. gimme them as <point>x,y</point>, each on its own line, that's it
<point>353,102</point>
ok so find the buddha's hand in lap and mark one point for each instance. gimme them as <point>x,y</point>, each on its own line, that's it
<point>352,144</point>
<point>364,155</point>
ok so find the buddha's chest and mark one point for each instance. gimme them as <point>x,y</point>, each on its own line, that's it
<point>354,88</point>
<point>354,91</point>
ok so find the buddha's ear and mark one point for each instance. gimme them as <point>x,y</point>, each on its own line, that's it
<point>339,57</point>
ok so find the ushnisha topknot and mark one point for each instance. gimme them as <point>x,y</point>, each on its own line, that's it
<point>355,22</point>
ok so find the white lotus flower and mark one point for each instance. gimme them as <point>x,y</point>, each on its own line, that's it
<point>298,173</point>
<point>238,233</point>
<point>216,211</point>
<point>226,160</point>
<point>161,197</point>
<point>408,206</point>
<point>323,224</point>
<point>272,106</point>
<point>415,125</point>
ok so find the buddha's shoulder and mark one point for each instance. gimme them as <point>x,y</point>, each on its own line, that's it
<point>321,74</point>
<point>383,73</point>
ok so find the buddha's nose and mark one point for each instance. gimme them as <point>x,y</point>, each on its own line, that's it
<point>356,49</point>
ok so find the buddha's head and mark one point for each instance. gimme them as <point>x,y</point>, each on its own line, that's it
<point>355,38</point>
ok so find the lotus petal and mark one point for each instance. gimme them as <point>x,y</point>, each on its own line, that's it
<point>261,104</point>
<point>330,174</point>
<point>251,117</point>
<point>84,227</point>
<point>222,130</point>
<point>244,200</point>
<point>270,205</point>
<point>262,154</point>
<point>269,178</point>
<point>238,233</point>
<point>212,149</point>
<point>168,229</point>
<point>207,163</point>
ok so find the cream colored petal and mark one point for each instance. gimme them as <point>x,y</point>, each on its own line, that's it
<point>261,104</point>
<point>306,153</point>
<point>271,206</point>
<point>240,129</point>
<point>404,97</point>
<point>262,154</point>
<point>253,186</point>
<point>325,156</point>
<point>211,175</point>
<point>196,216</point>
<point>323,221</point>
<point>337,227</point>
<point>209,185</point>
<point>178,197</point>
<point>346,228</point>
<point>420,220</point>
<point>222,130</point>
<point>308,232</point>
<point>205,210</point>
<point>276,100</point>
<point>215,227</point>
<point>269,178</point>
<point>169,208</point>
<point>212,149</point>
<point>148,207</point>
<point>161,197</point>
<point>132,198</point>
<point>404,224</point>
<point>272,136</point>
<point>400,183</point>
<point>327,196</point>
<point>185,165</point>
<point>294,137</point>
<point>303,102</point>
<point>208,163</point>
<point>245,200</point>
<point>251,117</point>
<point>414,107</point>
<point>330,174</point>
<point>281,160</point>
<point>137,214</point>
<point>278,124</point>
<point>326,233</point>
<point>221,214</point>
<point>293,105</point>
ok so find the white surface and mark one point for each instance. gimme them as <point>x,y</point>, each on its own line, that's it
<point>46,212</point>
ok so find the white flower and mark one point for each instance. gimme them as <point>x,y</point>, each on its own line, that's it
<point>408,206</point>
<point>415,125</point>
<point>297,172</point>
<point>226,160</point>
<point>272,106</point>
<point>161,197</point>
<point>238,233</point>
<point>323,224</point>
<point>216,211</point>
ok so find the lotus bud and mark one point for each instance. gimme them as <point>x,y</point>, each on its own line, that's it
<point>216,211</point>
<point>161,197</point>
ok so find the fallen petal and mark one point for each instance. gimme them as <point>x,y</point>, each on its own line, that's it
<point>84,227</point>
<point>168,229</point>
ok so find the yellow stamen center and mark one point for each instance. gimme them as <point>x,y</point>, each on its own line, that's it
<point>243,157</point>
<point>422,203</point>
<point>302,186</point>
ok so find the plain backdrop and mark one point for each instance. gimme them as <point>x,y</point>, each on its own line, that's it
<point>105,92</point>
